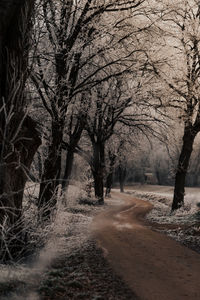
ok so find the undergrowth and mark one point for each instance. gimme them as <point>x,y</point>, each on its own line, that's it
<point>185,221</point>
<point>43,242</point>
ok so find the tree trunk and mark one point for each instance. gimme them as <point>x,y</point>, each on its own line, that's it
<point>74,140</point>
<point>16,168</point>
<point>18,137</point>
<point>51,173</point>
<point>15,26</point>
<point>39,162</point>
<point>157,173</point>
<point>183,163</point>
<point>98,170</point>
<point>14,173</point>
<point>98,186</point>
<point>68,168</point>
<point>122,177</point>
<point>109,182</point>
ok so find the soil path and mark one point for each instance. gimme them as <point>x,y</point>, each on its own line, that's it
<point>154,266</point>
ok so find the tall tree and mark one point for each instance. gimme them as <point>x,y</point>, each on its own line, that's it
<point>74,126</point>
<point>180,28</point>
<point>107,107</point>
<point>78,38</point>
<point>18,135</point>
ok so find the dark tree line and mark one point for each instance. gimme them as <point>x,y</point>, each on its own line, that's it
<point>82,58</point>
<point>70,33</point>
<point>96,80</point>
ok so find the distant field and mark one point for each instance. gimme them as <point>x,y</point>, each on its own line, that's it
<point>191,193</point>
<point>150,188</point>
<point>159,188</point>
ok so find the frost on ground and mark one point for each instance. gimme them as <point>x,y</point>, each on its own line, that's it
<point>71,265</point>
<point>85,274</point>
<point>182,225</point>
<point>67,232</point>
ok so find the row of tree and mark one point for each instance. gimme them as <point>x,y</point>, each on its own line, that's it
<point>92,78</point>
<point>85,80</point>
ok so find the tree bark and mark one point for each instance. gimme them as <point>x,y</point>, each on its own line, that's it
<point>52,165</point>
<point>98,170</point>
<point>19,138</point>
<point>122,177</point>
<point>16,168</point>
<point>183,163</point>
<point>73,142</point>
<point>68,167</point>
<point>98,186</point>
<point>51,174</point>
<point>109,182</point>
<point>109,179</point>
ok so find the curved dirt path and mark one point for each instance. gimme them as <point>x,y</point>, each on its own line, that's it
<point>154,266</point>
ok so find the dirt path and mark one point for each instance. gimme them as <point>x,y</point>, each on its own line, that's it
<point>154,266</point>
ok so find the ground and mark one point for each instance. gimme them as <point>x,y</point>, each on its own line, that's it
<point>113,253</point>
<point>154,265</point>
<point>85,274</point>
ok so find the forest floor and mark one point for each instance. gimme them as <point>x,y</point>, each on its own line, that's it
<point>71,266</point>
<point>114,252</point>
<point>84,273</point>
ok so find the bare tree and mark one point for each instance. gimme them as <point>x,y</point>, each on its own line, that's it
<point>179,25</point>
<point>74,126</point>
<point>77,37</point>
<point>117,161</point>
<point>108,104</point>
<point>115,105</point>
